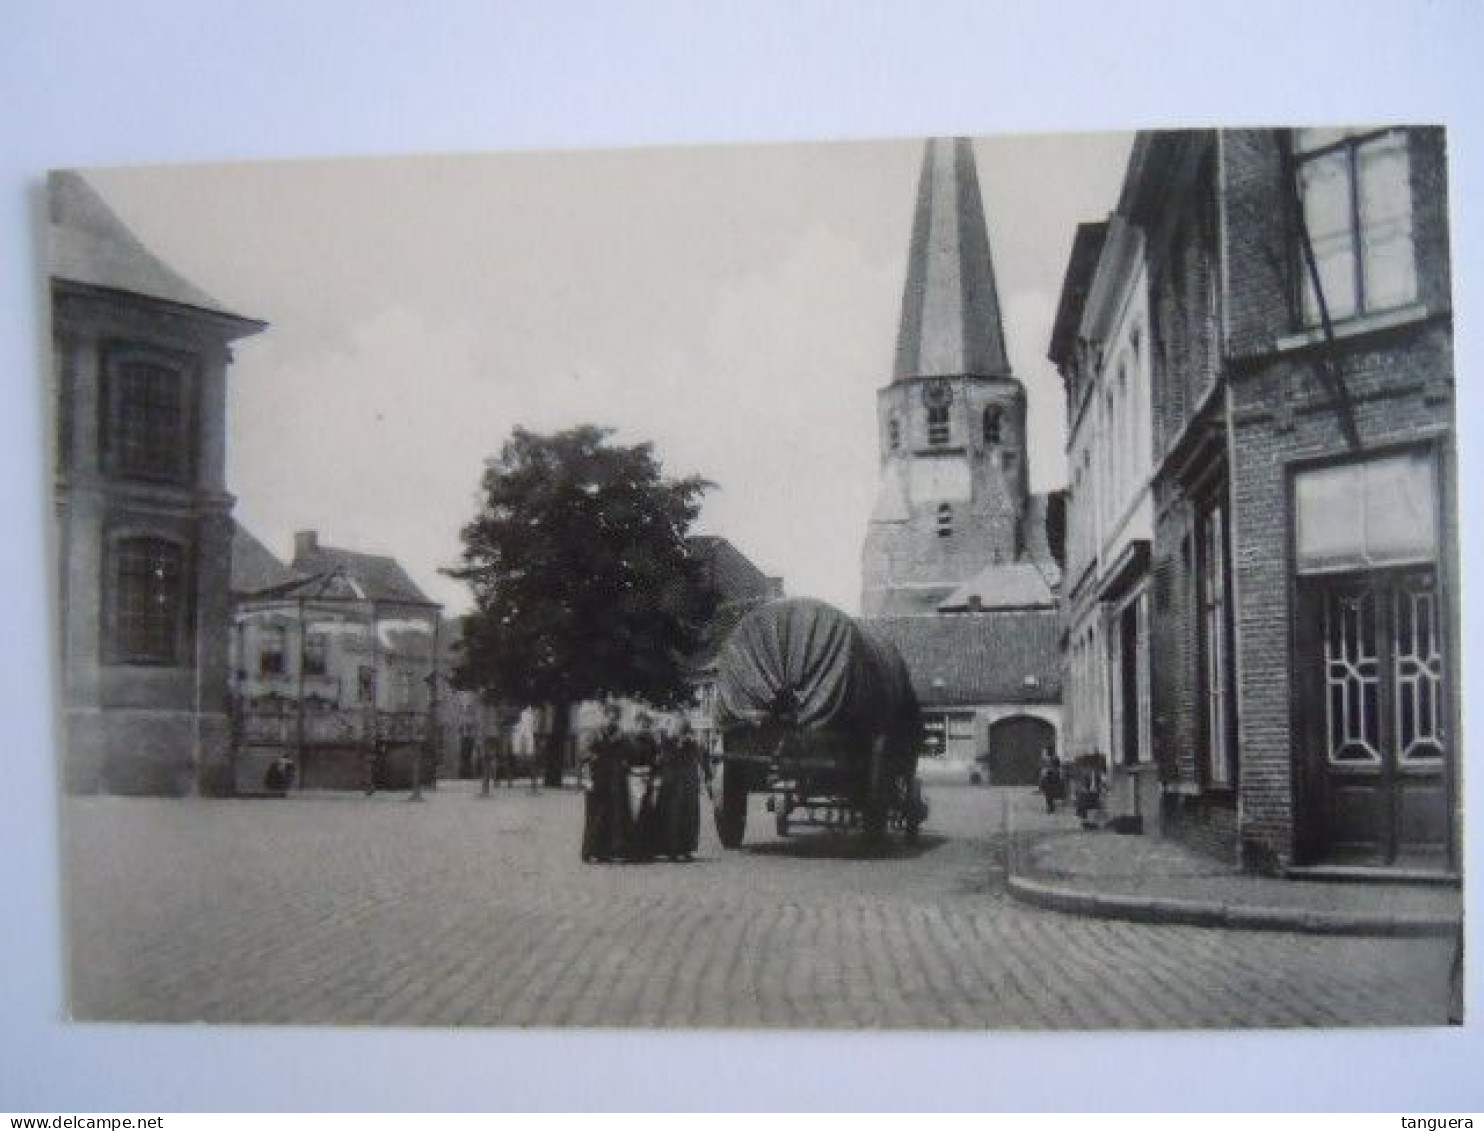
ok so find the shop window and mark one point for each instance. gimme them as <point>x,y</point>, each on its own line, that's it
<point>1379,512</point>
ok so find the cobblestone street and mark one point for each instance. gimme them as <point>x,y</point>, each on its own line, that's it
<point>470,911</point>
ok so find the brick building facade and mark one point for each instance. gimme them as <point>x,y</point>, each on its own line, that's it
<point>1344,495</point>
<point>1303,559</point>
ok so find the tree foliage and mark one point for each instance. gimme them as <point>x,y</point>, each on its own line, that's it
<point>584,586</point>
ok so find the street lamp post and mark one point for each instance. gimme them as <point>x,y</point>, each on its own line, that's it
<point>431,737</point>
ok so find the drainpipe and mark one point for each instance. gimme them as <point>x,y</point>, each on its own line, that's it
<point>1328,371</point>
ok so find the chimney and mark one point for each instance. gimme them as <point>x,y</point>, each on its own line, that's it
<point>306,542</point>
<point>775,588</point>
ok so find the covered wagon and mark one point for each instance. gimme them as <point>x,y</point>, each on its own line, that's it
<point>817,711</point>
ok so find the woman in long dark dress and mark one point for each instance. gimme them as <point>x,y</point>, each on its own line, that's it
<point>607,826</point>
<point>680,794</point>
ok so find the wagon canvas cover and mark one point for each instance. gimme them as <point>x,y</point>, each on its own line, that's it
<point>804,662</point>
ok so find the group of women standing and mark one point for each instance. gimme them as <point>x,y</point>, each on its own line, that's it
<point>642,793</point>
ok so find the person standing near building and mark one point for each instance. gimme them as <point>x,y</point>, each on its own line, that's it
<point>1049,778</point>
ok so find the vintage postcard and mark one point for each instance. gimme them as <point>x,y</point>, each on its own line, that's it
<point>948,583</point>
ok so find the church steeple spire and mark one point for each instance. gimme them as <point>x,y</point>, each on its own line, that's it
<point>951,322</point>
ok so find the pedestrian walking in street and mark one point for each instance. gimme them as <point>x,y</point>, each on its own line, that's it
<point>280,776</point>
<point>373,757</point>
<point>1050,778</point>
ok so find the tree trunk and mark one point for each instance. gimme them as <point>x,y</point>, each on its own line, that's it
<point>556,750</point>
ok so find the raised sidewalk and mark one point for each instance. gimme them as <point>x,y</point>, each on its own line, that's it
<point>1055,863</point>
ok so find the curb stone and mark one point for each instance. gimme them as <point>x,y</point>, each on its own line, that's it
<point>1232,916</point>
<point>1209,913</point>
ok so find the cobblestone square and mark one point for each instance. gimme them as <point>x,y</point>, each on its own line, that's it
<point>467,911</point>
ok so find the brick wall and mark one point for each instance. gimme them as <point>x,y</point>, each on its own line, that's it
<point>1396,400</point>
<point>1283,411</point>
<point>1207,824</point>
<point>1183,354</point>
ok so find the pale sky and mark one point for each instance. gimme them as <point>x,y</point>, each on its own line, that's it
<point>736,305</point>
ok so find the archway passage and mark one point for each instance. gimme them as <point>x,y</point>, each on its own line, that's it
<point>1015,746</point>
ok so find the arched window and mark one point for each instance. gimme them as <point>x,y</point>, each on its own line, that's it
<point>945,520</point>
<point>992,416</point>
<point>894,433</point>
<point>148,601</point>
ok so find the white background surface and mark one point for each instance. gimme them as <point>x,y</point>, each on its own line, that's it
<point>97,83</point>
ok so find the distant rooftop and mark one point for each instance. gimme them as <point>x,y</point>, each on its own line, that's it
<point>352,574</point>
<point>254,568</point>
<point>1003,657</point>
<point>1007,585</point>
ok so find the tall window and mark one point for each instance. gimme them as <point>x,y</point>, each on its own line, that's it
<point>315,652</point>
<point>148,424</point>
<point>1214,648</point>
<point>64,394</point>
<point>894,433</point>
<point>992,416</point>
<point>272,644</point>
<point>945,520</point>
<point>1357,205</point>
<point>149,601</point>
<point>937,422</point>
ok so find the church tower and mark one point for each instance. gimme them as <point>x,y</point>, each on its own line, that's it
<point>951,425</point>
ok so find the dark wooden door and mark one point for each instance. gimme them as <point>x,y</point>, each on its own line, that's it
<point>1380,759</point>
<point>1015,746</point>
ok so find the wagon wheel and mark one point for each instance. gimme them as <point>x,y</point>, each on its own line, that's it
<point>731,812</point>
<point>874,811</point>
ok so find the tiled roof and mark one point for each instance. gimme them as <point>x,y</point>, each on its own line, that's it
<point>740,586</point>
<point>91,245</point>
<point>906,600</point>
<point>1008,585</point>
<point>254,568</point>
<point>372,577</point>
<point>730,571</point>
<point>1087,245</point>
<point>980,657</point>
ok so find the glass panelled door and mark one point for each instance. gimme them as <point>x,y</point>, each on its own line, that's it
<point>1382,750</point>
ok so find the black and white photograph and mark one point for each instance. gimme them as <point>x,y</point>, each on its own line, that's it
<point>944,583</point>
<point>707,557</point>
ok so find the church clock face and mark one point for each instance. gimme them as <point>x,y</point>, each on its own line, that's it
<point>937,393</point>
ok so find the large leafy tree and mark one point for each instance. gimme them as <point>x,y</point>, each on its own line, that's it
<point>584,586</point>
